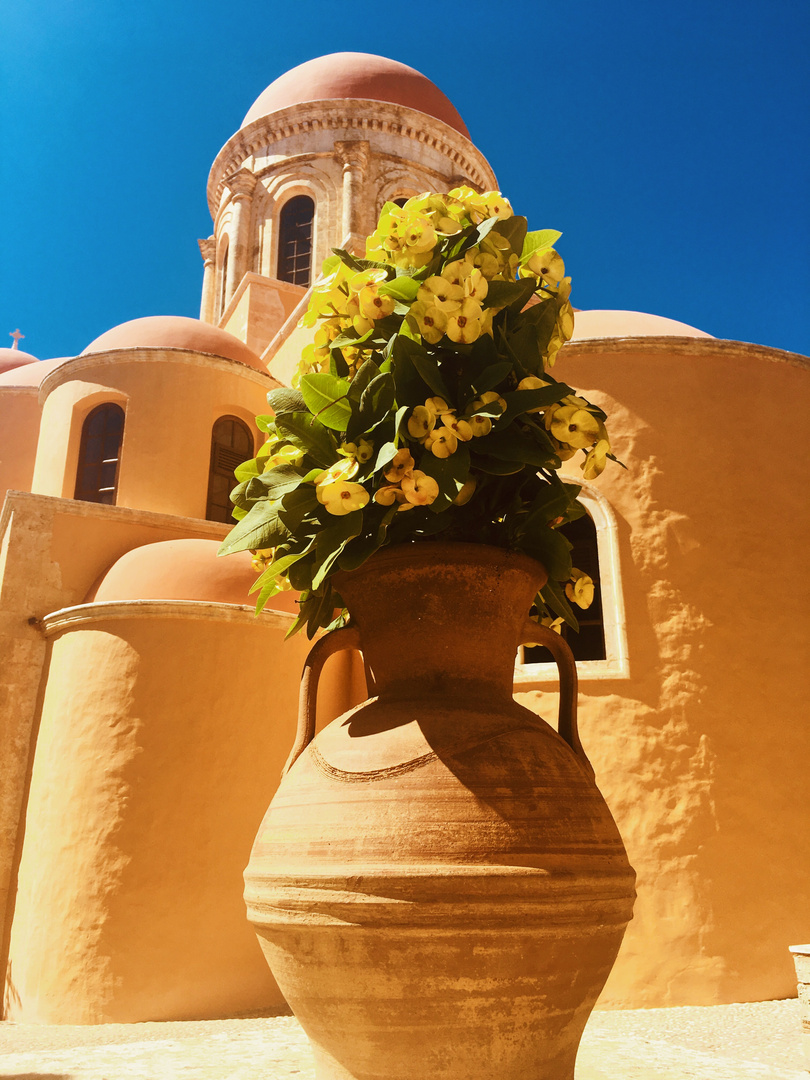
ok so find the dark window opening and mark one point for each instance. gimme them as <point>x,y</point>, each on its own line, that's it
<point>231,444</point>
<point>589,643</point>
<point>295,240</point>
<point>401,200</point>
<point>99,455</point>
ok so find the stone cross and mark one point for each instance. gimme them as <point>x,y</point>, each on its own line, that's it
<point>16,335</point>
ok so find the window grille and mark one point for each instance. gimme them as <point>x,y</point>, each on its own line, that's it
<point>295,240</point>
<point>99,454</point>
<point>231,444</point>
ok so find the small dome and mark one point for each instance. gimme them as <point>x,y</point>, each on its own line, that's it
<point>356,75</point>
<point>181,570</point>
<point>618,324</point>
<point>31,374</point>
<point>175,332</point>
<point>14,358</point>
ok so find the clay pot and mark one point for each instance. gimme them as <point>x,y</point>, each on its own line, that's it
<point>438,885</point>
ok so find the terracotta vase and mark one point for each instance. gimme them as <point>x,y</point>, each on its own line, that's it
<point>438,885</point>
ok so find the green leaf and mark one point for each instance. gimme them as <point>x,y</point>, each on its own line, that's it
<point>308,434</point>
<point>519,402</point>
<point>550,548</point>
<point>377,401</point>
<point>385,455</point>
<point>296,506</point>
<point>514,229</point>
<point>261,527</point>
<point>247,469</point>
<point>401,288</point>
<point>428,370</point>
<point>514,444</point>
<point>450,473</point>
<point>510,294</point>
<point>285,400</point>
<point>331,541</point>
<point>359,264</point>
<point>365,373</point>
<point>553,593</point>
<point>270,573</point>
<point>496,466</point>
<point>491,376</point>
<point>540,240</point>
<point>326,398</point>
<point>273,484</point>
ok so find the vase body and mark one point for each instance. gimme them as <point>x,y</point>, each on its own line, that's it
<point>438,886</point>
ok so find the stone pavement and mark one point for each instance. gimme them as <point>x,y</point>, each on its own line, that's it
<point>760,1041</point>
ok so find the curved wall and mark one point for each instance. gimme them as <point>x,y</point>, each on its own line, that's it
<point>701,752</point>
<point>171,399</point>
<point>151,776</point>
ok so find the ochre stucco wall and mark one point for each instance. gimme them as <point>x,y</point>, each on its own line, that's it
<point>702,752</point>
<point>151,776</point>
<point>19,430</point>
<point>171,399</point>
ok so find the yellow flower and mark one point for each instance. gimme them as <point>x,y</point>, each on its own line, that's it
<point>442,442</point>
<point>387,496</point>
<point>420,489</point>
<point>596,459</point>
<point>286,455</point>
<point>372,305</point>
<point>547,266</point>
<point>341,470</point>
<point>479,425</point>
<point>488,398</point>
<point>402,464</point>
<point>459,426</point>
<point>437,292</point>
<point>419,235</point>
<point>580,589</point>
<point>421,422</point>
<point>465,324</point>
<point>438,408</point>
<point>361,451</point>
<point>486,263</point>
<point>476,286</point>
<point>574,426</point>
<point>342,497</point>
<point>431,321</point>
<point>457,272</point>
<point>466,492</point>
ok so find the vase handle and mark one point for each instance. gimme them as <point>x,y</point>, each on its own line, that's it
<point>535,634</point>
<point>338,641</point>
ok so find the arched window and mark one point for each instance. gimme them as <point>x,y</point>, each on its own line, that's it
<point>231,444</point>
<point>589,643</point>
<point>99,454</point>
<point>295,240</point>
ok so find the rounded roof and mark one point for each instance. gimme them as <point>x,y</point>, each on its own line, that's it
<point>179,570</point>
<point>356,75</point>
<point>14,358</point>
<point>608,324</point>
<point>175,332</point>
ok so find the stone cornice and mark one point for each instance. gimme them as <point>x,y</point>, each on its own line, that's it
<point>690,346</point>
<point>350,114</point>
<point>70,369</point>
<point>355,152</point>
<point>208,248</point>
<point>82,615</point>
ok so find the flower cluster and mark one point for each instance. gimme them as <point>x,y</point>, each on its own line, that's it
<point>423,407</point>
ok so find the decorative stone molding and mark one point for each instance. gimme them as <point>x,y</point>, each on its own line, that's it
<point>349,115</point>
<point>353,154</point>
<point>84,615</point>
<point>241,183</point>
<point>208,249</point>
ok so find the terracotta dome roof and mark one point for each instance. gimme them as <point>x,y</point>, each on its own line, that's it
<point>175,332</point>
<point>356,75</point>
<point>14,358</point>
<point>607,324</point>
<point>179,570</point>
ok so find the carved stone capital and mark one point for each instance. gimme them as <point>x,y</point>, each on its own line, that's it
<point>241,183</point>
<point>354,154</point>
<point>208,249</point>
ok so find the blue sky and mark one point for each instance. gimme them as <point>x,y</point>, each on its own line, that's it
<point>669,143</point>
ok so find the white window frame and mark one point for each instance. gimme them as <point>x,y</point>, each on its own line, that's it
<point>616,663</point>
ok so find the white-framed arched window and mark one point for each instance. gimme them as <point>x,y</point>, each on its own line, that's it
<point>605,631</point>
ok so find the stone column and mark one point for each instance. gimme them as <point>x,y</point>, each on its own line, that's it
<point>208,250</point>
<point>355,157</point>
<point>241,184</point>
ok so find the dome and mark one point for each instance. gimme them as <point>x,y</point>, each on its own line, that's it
<point>30,374</point>
<point>619,324</point>
<point>356,75</point>
<point>14,358</point>
<point>181,570</point>
<point>175,332</point>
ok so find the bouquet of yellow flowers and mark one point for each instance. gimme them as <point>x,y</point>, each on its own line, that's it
<point>424,409</point>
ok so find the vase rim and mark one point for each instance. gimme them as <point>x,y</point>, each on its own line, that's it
<point>446,551</point>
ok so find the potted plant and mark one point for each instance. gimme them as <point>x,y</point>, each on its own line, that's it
<point>438,885</point>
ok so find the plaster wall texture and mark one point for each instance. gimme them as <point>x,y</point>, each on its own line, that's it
<point>51,552</point>
<point>701,752</point>
<point>259,309</point>
<point>19,425</point>
<point>146,791</point>
<point>171,399</point>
